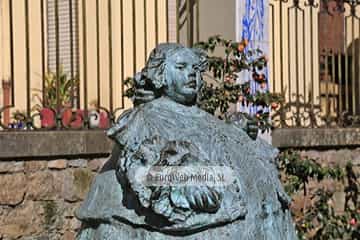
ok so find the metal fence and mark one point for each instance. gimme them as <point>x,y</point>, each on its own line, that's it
<point>66,60</point>
<point>316,61</point>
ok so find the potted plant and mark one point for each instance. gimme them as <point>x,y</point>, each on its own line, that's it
<point>48,102</point>
<point>19,120</point>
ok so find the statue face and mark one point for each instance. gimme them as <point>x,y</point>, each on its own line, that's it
<point>183,79</point>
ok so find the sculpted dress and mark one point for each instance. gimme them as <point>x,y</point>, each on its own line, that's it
<point>254,206</point>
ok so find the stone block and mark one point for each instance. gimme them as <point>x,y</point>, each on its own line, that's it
<point>23,221</point>
<point>33,166</point>
<point>43,186</point>
<point>57,164</point>
<point>76,184</point>
<point>11,167</point>
<point>78,163</point>
<point>13,188</point>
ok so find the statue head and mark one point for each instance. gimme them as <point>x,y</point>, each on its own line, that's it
<point>174,71</point>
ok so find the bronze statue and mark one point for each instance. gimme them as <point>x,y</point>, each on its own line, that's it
<point>166,130</point>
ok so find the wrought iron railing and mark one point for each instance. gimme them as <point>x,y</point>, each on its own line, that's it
<point>80,86</point>
<point>316,61</point>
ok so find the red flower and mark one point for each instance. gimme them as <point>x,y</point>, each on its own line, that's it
<point>274,105</point>
<point>229,79</point>
<point>353,221</point>
<point>241,47</point>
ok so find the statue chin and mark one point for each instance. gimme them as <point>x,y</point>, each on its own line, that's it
<point>185,99</point>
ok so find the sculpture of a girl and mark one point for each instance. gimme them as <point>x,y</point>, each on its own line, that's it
<point>166,130</point>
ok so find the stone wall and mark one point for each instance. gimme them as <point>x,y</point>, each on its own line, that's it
<point>38,197</point>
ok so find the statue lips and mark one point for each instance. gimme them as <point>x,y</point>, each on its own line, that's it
<point>191,84</point>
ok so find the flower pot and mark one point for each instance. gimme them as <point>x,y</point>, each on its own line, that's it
<point>48,119</point>
<point>66,115</point>
<point>104,121</point>
<point>94,119</point>
<point>79,119</point>
<point>98,119</point>
<point>72,118</point>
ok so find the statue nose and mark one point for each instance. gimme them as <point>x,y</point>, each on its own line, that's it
<point>192,74</point>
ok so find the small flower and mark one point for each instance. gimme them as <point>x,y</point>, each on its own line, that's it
<point>353,221</point>
<point>229,79</point>
<point>261,77</point>
<point>245,42</point>
<point>274,106</point>
<point>241,47</point>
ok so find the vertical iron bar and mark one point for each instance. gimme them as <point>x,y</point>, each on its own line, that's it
<point>340,84</point>
<point>27,45</point>
<point>167,19</point>
<point>145,28</point>
<point>134,35</point>
<point>353,66</point>
<point>122,52</point>
<point>333,90</point>
<point>177,21</point>
<point>110,57</point>
<point>297,69</point>
<point>358,72</point>
<point>304,55</point>
<point>289,55</point>
<point>188,23</point>
<point>77,54</point>
<point>346,70</point>
<point>156,23</point>
<point>312,64</point>
<point>98,53</point>
<point>71,51</point>
<point>85,59</point>
<point>12,53</point>
<point>43,49</point>
<point>58,100</point>
<point>327,85</point>
<point>282,113</point>
<point>197,20</point>
<point>273,46</point>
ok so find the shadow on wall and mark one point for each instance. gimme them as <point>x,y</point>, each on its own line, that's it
<point>340,73</point>
<point>353,53</point>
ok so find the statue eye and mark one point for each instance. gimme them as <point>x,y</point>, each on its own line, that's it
<point>180,66</point>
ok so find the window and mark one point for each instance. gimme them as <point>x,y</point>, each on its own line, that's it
<point>68,35</point>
